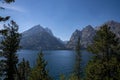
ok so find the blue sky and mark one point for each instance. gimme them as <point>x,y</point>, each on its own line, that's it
<point>63,17</point>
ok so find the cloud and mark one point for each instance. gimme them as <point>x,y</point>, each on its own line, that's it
<point>13,7</point>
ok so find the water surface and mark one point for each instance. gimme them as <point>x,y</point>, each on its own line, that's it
<point>59,61</point>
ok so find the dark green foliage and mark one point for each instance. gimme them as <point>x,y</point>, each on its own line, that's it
<point>77,69</point>
<point>74,77</point>
<point>24,69</point>
<point>106,44</point>
<point>105,65</point>
<point>2,67</point>
<point>62,77</point>
<point>4,18</point>
<point>7,1</point>
<point>39,72</point>
<point>99,70</point>
<point>10,45</point>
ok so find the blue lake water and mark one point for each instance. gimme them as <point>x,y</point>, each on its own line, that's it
<point>59,61</point>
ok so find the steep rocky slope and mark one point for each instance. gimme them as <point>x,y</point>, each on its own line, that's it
<point>88,33</point>
<point>40,38</point>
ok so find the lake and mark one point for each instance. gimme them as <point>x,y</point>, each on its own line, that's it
<point>59,61</point>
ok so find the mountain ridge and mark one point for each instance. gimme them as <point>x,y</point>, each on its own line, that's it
<point>87,34</point>
<point>38,37</point>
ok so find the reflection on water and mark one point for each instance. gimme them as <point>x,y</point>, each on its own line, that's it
<point>59,61</point>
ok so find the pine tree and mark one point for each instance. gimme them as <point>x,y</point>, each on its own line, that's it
<point>77,69</point>
<point>24,69</point>
<point>105,65</point>
<point>62,77</point>
<point>73,77</point>
<point>10,45</point>
<point>105,44</point>
<point>39,72</point>
<point>7,33</point>
<point>77,73</point>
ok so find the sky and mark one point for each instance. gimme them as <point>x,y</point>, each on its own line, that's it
<point>63,17</point>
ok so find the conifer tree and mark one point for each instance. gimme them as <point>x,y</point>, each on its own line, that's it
<point>77,69</point>
<point>10,45</point>
<point>105,65</point>
<point>24,69</point>
<point>39,72</point>
<point>77,73</point>
<point>62,77</point>
<point>73,77</point>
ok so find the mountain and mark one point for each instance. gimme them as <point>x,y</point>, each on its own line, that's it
<point>87,34</point>
<point>40,38</point>
<point>73,40</point>
<point>114,26</point>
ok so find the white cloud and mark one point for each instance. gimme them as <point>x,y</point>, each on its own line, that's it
<point>13,7</point>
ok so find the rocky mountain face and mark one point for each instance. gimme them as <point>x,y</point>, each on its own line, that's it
<point>40,38</point>
<point>114,26</point>
<point>73,40</point>
<point>87,36</point>
<point>88,33</point>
